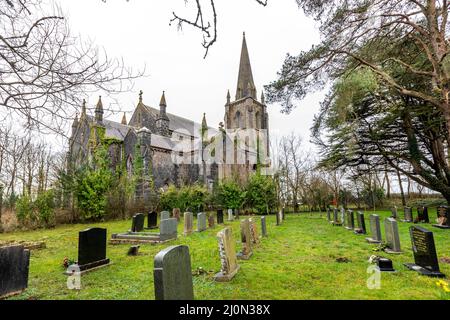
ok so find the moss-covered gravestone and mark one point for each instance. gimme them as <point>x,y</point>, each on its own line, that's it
<point>227,253</point>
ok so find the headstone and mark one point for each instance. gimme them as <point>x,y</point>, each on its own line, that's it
<point>283,217</point>
<point>263,227</point>
<point>385,265</point>
<point>336,221</point>
<point>173,275</point>
<point>342,216</point>
<point>392,236</point>
<point>246,252</point>
<point>424,250</point>
<point>443,218</point>
<point>168,229</point>
<point>394,213</point>
<point>211,221</point>
<point>408,216</point>
<point>176,213</point>
<point>227,253</point>
<point>152,220</point>
<point>165,215</point>
<point>219,216</point>
<point>328,215</point>
<point>278,218</point>
<point>254,235</point>
<point>230,215</point>
<point>137,224</point>
<point>236,213</point>
<point>188,223</point>
<point>350,220</point>
<point>133,251</point>
<point>14,266</point>
<point>375,229</point>
<point>361,224</point>
<point>201,222</point>
<point>92,249</point>
<point>422,214</point>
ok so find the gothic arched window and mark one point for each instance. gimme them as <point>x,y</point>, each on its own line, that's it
<point>130,166</point>
<point>258,120</point>
<point>238,119</point>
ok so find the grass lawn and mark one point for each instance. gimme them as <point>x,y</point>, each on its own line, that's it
<point>296,261</point>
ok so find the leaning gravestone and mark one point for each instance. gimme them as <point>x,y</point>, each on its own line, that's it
<point>201,222</point>
<point>263,227</point>
<point>230,215</point>
<point>254,235</point>
<point>219,216</point>
<point>165,215</point>
<point>168,229</point>
<point>350,220</point>
<point>394,213</point>
<point>188,223</point>
<point>152,220</point>
<point>392,236</point>
<point>361,224</point>
<point>14,267</point>
<point>246,252</point>
<point>375,229</point>
<point>443,218</point>
<point>173,275</point>
<point>408,216</point>
<point>211,221</point>
<point>425,257</point>
<point>137,224</point>
<point>227,253</point>
<point>92,249</point>
<point>176,214</point>
<point>422,214</point>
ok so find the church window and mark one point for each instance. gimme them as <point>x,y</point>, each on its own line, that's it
<point>238,119</point>
<point>130,166</point>
<point>258,120</point>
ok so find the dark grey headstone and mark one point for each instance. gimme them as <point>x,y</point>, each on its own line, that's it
<point>424,250</point>
<point>137,224</point>
<point>408,214</point>
<point>152,220</point>
<point>92,248</point>
<point>220,216</point>
<point>263,227</point>
<point>361,224</point>
<point>394,213</point>
<point>422,215</point>
<point>173,275</point>
<point>328,215</point>
<point>375,229</point>
<point>14,266</point>
<point>350,225</point>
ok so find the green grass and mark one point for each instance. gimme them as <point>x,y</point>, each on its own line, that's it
<point>296,261</point>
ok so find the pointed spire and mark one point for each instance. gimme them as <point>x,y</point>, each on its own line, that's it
<point>204,124</point>
<point>99,110</point>
<point>263,99</point>
<point>228,97</point>
<point>245,78</point>
<point>140,96</point>
<point>83,107</point>
<point>124,119</point>
<point>163,100</point>
<point>75,121</point>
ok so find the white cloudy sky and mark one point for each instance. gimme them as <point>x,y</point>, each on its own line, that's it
<point>139,32</point>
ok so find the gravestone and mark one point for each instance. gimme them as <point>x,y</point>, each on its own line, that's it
<point>336,221</point>
<point>168,229</point>
<point>137,224</point>
<point>152,220</point>
<point>443,218</point>
<point>188,223</point>
<point>230,215</point>
<point>236,213</point>
<point>165,215</point>
<point>211,221</point>
<point>246,252</point>
<point>133,251</point>
<point>328,215</point>
<point>408,216</point>
<point>219,216</point>
<point>173,275</point>
<point>424,250</point>
<point>350,220</point>
<point>375,229</point>
<point>392,236</point>
<point>263,227</point>
<point>283,217</point>
<point>14,267</point>
<point>254,235</point>
<point>422,214</point>
<point>394,213</point>
<point>201,222</point>
<point>176,214</point>
<point>227,253</point>
<point>342,216</point>
<point>361,223</point>
<point>92,249</point>
<point>385,265</point>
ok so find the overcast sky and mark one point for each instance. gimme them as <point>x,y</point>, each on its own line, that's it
<point>138,31</point>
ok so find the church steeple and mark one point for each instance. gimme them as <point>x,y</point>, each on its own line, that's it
<point>245,86</point>
<point>99,111</point>
<point>162,122</point>
<point>124,119</point>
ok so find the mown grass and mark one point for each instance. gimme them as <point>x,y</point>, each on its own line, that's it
<point>296,261</point>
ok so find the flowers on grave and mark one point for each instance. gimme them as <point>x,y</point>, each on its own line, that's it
<point>444,285</point>
<point>67,262</point>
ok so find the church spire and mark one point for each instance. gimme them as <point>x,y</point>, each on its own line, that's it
<point>99,110</point>
<point>245,85</point>
<point>124,119</point>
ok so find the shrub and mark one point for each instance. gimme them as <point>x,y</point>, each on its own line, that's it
<point>24,209</point>
<point>230,195</point>
<point>261,194</point>
<point>45,206</point>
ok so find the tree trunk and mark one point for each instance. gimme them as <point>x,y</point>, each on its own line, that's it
<point>388,185</point>
<point>401,188</point>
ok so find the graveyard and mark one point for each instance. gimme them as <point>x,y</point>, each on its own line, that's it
<point>305,257</point>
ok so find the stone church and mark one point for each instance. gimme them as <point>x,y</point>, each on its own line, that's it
<point>176,150</point>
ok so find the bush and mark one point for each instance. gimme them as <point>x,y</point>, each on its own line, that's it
<point>185,198</point>
<point>24,209</point>
<point>230,195</point>
<point>45,206</point>
<point>261,194</point>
